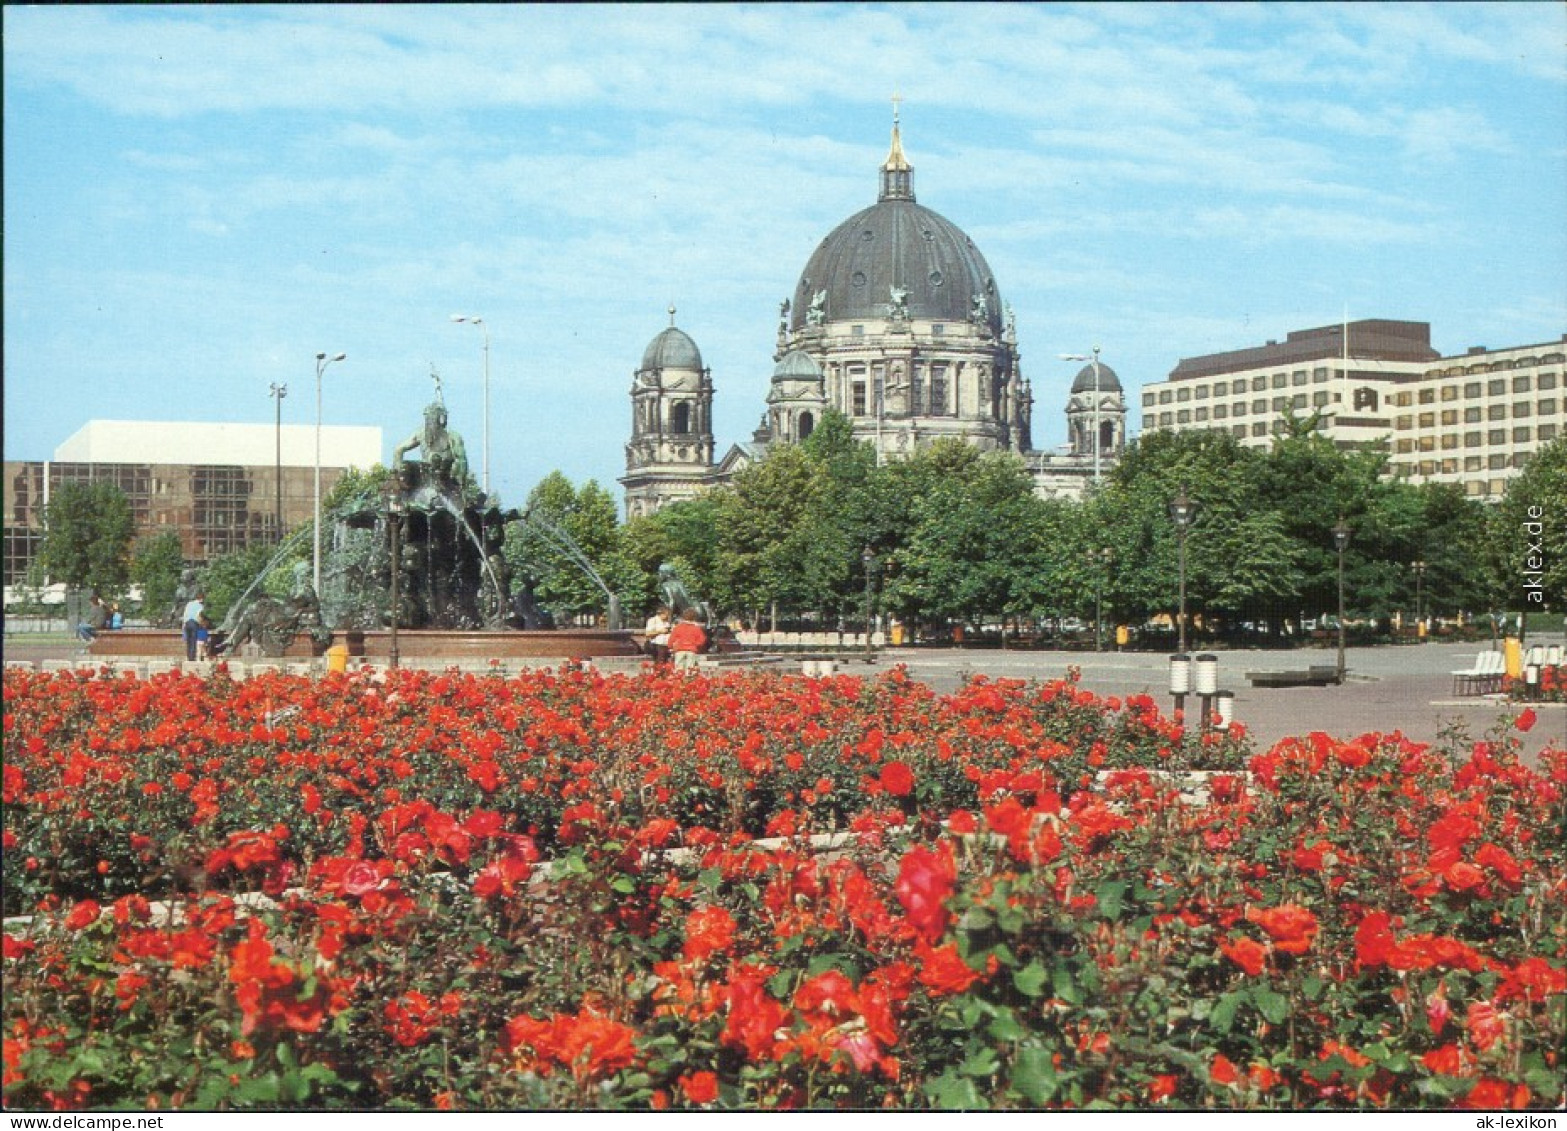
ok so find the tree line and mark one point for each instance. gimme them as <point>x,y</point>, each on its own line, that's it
<point>952,535</point>
<point>959,536</point>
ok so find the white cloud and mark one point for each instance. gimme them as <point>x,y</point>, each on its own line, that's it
<point>1286,224</point>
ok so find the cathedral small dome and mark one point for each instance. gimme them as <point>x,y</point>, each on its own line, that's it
<point>672,349</point>
<point>797,364</point>
<point>1108,381</point>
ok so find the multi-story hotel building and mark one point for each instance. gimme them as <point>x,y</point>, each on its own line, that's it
<point>1473,419</point>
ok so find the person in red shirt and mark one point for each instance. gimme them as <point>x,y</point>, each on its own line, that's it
<point>687,640</point>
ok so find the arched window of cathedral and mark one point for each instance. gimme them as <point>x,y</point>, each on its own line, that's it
<point>680,417</point>
<point>807,425</point>
<point>1106,435</point>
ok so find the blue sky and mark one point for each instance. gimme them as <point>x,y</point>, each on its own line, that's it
<point>198,199</point>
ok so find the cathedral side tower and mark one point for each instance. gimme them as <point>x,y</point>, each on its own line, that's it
<point>670,454</point>
<point>797,399</point>
<point>1097,404</point>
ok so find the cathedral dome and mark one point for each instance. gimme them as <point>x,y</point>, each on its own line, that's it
<point>1108,381</point>
<point>897,243</point>
<point>797,364</point>
<point>672,349</point>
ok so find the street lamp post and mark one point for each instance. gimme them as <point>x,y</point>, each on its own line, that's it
<point>394,520</point>
<point>277,394</point>
<point>322,361</point>
<point>1101,576</point>
<point>1181,511</point>
<point>475,320</point>
<point>868,559</point>
<point>1341,543</point>
<point>1095,360</point>
<point>1420,573</point>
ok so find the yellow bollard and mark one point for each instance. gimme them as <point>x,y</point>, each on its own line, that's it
<point>337,658</point>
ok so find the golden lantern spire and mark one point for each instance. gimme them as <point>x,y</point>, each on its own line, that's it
<point>897,175</point>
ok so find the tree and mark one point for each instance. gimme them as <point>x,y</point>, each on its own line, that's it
<point>87,541</point>
<point>1241,562</point>
<point>225,579</point>
<point>1311,484</point>
<point>843,517</point>
<point>976,537</point>
<point>1460,575</point>
<point>684,535</point>
<point>156,566</point>
<point>762,533</point>
<point>566,537</point>
<point>356,488</point>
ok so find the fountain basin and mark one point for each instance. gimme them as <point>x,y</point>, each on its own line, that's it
<point>412,643</point>
<point>169,643</point>
<point>456,644</point>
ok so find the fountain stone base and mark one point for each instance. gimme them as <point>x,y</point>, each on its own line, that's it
<point>169,644</point>
<point>412,644</point>
<point>456,644</point>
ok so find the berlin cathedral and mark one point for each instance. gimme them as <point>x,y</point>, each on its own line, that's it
<point>896,322</point>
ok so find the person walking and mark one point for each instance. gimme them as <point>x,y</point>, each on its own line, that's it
<point>195,613</point>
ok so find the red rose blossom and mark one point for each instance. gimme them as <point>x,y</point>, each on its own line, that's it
<point>897,779</point>
<point>925,882</point>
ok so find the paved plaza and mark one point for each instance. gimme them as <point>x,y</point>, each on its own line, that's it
<point>1407,689</point>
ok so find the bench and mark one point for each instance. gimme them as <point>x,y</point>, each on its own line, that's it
<point>1317,675</point>
<point>714,661</point>
<point>1483,677</point>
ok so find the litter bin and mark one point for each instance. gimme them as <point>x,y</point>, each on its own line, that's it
<point>337,658</point>
<point>1123,636</point>
<point>897,635</point>
<point>1512,648</point>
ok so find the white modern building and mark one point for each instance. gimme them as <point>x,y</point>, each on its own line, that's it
<point>247,445</point>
